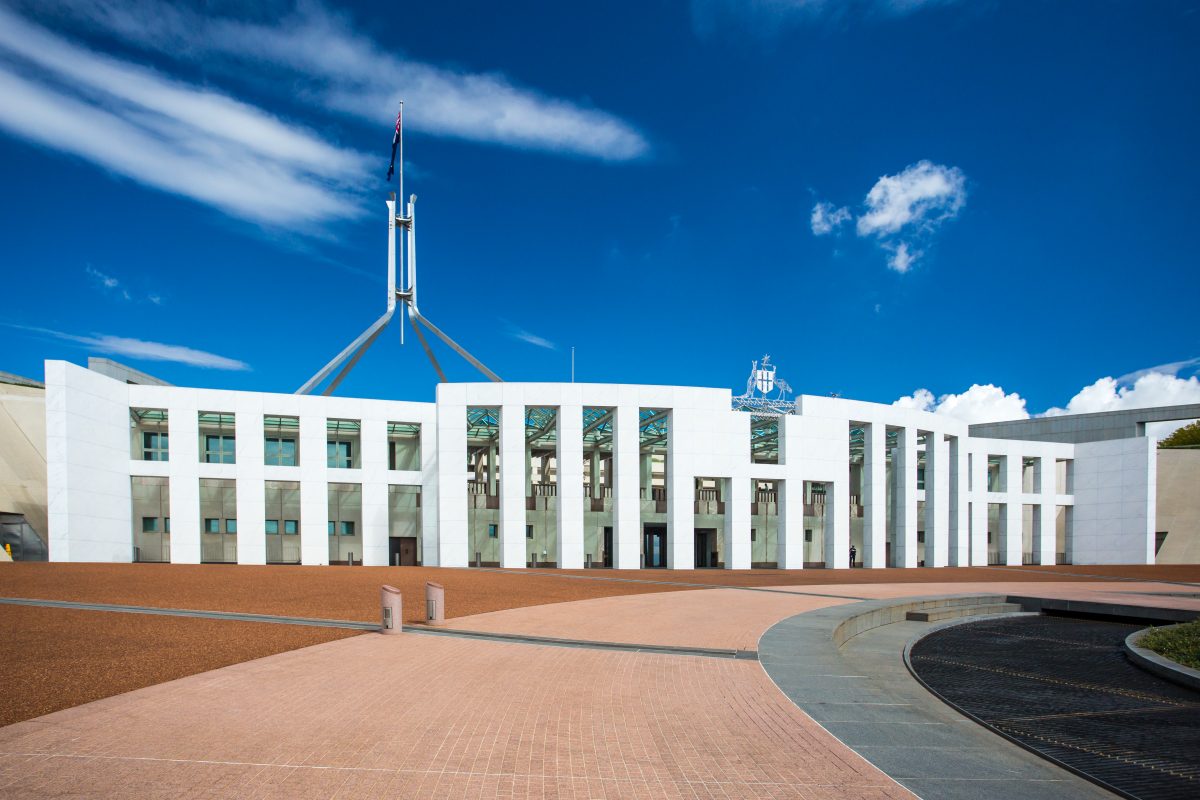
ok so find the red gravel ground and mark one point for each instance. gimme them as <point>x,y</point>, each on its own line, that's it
<point>353,592</point>
<point>53,659</point>
<point>56,658</point>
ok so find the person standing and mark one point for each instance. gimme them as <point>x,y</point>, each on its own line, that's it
<point>853,553</point>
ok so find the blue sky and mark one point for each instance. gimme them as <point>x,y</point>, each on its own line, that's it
<point>887,196</point>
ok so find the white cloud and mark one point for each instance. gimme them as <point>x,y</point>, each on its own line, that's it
<point>902,209</point>
<point>146,351</point>
<point>921,196</point>
<point>339,68</point>
<point>980,403</point>
<point>770,17</point>
<point>522,335</point>
<point>1150,389</point>
<point>106,281</point>
<point>169,135</point>
<point>902,260</point>
<point>825,218</point>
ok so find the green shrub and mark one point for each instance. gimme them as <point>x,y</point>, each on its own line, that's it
<point>1180,643</point>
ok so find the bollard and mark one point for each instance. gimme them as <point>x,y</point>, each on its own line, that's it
<point>393,610</point>
<point>435,603</point>
<point>588,564</point>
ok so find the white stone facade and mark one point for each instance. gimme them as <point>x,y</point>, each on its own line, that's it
<point>872,498</point>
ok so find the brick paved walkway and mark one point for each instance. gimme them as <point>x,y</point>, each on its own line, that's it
<point>736,618</point>
<point>416,716</point>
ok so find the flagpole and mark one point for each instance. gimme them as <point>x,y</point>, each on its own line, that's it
<point>403,261</point>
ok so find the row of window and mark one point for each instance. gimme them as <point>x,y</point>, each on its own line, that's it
<point>277,451</point>
<point>291,527</point>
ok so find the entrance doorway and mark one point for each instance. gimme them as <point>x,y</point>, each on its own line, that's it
<point>608,547</point>
<point>402,551</point>
<point>706,548</point>
<point>654,547</point>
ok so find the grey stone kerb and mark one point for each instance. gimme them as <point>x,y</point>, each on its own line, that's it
<point>1080,428</point>
<point>844,667</point>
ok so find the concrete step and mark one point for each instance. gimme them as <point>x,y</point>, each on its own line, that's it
<point>953,612</point>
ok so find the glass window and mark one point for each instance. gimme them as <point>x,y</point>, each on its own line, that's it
<point>808,535</point>
<point>280,452</point>
<point>339,453</point>
<point>272,526</point>
<point>167,524</point>
<point>528,531</point>
<point>492,532</point>
<point>332,528</point>
<point>154,446</point>
<point>149,524</point>
<point>347,527</point>
<point>212,525</point>
<point>216,437</point>
<point>218,449</point>
<point>231,526</point>
<point>291,527</point>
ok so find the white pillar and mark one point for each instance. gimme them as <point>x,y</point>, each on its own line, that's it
<point>681,495</point>
<point>251,502</point>
<point>837,522</point>
<point>960,546</point>
<point>937,500</point>
<point>569,455</point>
<point>874,493</point>
<point>904,469</point>
<point>627,503</point>
<point>737,522</point>
<point>1044,531</point>
<point>430,497</point>
<point>453,541</point>
<point>512,486</point>
<point>791,524</point>
<point>183,425</point>
<point>314,489</point>
<point>372,443</point>
<point>1010,550</point>
<point>979,508</point>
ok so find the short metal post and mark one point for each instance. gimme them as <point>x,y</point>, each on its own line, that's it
<point>392,607</point>
<point>588,561</point>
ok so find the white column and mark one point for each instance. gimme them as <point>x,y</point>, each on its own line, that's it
<point>791,495</point>
<point>372,442</point>
<point>512,486</point>
<point>627,508</point>
<point>874,493</point>
<point>737,522</point>
<point>569,455</point>
<point>979,508</point>
<point>251,502</point>
<point>314,489</point>
<point>937,500</point>
<point>960,546</point>
<point>183,427</point>
<point>450,458</point>
<point>430,555</point>
<point>837,521</point>
<point>791,524</point>
<point>681,493</point>
<point>1044,533</point>
<point>904,469</point>
<point>1010,550</point>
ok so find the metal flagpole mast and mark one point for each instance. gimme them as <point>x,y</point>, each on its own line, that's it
<point>400,178</point>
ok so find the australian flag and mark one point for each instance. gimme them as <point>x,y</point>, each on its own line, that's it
<point>395,142</point>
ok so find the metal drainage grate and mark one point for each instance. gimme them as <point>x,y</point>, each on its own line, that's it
<point>1064,688</point>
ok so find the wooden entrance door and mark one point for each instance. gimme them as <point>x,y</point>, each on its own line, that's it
<point>402,551</point>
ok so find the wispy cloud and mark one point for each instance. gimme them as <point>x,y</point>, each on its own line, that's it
<point>901,209</point>
<point>107,283</point>
<point>522,335</point>
<point>826,218</point>
<point>340,69</point>
<point>771,17</point>
<point>169,135</point>
<point>146,351</point>
<point>1173,368</point>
